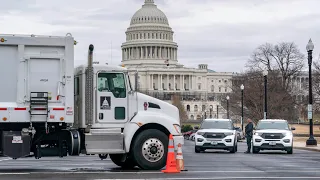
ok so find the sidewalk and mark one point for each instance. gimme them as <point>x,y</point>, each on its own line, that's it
<point>302,145</point>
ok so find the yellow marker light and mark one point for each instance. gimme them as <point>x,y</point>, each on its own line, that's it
<point>139,124</point>
<point>4,119</point>
<point>2,40</point>
<point>61,119</point>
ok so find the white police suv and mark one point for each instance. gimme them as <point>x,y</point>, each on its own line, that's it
<point>272,134</point>
<point>216,134</point>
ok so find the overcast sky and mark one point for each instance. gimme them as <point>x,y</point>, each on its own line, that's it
<point>221,33</point>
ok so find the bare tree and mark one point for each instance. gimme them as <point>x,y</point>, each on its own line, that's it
<point>176,101</point>
<point>280,102</point>
<point>284,57</point>
<point>316,77</point>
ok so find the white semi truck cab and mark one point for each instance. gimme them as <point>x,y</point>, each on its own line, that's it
<point>48,107</point>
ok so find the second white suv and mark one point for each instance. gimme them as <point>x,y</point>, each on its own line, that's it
<point>272,134</point>
<point>216,134</point>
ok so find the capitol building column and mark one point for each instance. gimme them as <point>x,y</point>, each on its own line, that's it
<point>155,52</point>
<point>152,81</point>
<point>137,53</point>
<point>161,88</point>
<point>159,85</point>
<point>174,82</point>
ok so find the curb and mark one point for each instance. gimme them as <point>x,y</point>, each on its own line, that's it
<point>306,148</point>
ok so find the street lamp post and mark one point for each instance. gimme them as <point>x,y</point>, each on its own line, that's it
<point>311,141</point>
<point>242,88</point>
<point>228,107</point>
<point>217,111</point>
<point>265,74</point>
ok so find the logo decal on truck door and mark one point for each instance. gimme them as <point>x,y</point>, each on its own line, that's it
<point>105,103</point>
<point>44,80</point>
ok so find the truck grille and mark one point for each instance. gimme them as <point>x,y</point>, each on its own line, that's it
<point>214,135</point>
<point>272,136</point>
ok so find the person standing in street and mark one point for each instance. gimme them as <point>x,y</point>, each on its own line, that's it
<point>249,134</point>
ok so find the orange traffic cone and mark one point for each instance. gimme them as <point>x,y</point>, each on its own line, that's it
<point>171,166</point>
<point>180,161</point>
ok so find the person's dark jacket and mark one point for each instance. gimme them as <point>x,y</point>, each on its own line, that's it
<point>249,129</point>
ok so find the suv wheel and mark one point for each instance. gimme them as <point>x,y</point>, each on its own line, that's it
<point>197,150</point>
<point>234,149</point>
<point>255,150</point>
<point>290,150</point>
<point>187,137</point>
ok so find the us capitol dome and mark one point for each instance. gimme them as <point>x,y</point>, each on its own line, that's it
<point>150,49</point>
<point>149,38</point>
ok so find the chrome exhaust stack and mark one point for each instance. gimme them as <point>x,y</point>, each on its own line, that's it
<point>89,89</point>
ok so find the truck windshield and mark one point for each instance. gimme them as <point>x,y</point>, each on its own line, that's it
<point>281,125</point>
<point>216,125</point>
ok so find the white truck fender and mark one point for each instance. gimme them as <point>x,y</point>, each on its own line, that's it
<point>129,130</point>
<point>143,118</point>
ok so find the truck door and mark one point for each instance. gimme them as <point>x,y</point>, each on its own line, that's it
<point>112,101</point>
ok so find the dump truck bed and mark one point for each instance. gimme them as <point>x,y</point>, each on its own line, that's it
<point>36,77</point>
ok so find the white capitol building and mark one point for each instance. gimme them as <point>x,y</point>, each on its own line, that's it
<point>150,46</point>
<point>150,49</point>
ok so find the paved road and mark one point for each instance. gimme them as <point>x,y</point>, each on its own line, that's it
<point>210,165</point>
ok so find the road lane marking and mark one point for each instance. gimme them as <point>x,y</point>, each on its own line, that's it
<point>14,173</point>
<point>5,159</point>
<point>159,172</point>
<point>220,178</point>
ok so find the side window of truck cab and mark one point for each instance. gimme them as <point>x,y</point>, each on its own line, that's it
<point>112,82</point>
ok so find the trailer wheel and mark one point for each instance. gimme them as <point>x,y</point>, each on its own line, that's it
<point>117,159</point>
<point>150,149</point>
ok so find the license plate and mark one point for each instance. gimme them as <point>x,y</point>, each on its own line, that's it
<point>272,143</point>
<point>214,143</point>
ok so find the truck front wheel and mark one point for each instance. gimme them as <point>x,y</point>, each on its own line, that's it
<point>150,149</point>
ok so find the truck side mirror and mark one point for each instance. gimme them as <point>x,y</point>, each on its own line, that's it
<point>136,81</point>
<point>293,128</point>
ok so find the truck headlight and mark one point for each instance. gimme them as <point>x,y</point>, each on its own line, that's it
<point>177,128</point>
<point>200,133</point>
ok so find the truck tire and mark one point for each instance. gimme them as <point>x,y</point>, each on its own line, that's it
<point>150,149</point>
<point>117,159</point>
